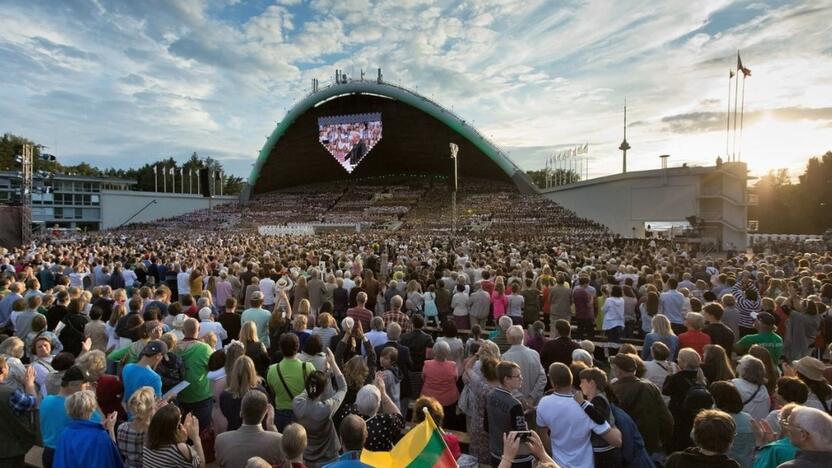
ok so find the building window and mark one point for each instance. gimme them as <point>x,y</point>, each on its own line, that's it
<point>95,199</point>
<point>79,213</point>
<point>59,213</point>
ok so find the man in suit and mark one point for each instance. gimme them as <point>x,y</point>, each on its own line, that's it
<point>359,149</point>
<point>417,342</point>
<point>234,448</point>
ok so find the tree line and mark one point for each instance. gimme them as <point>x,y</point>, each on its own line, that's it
<point>801,207</point>
<point>12,145</point>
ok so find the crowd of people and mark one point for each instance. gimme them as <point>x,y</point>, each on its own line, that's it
<point>540,341</point>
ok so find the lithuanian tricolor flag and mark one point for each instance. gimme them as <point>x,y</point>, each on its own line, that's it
<point>422,447</point>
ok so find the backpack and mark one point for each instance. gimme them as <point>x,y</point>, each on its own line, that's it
<point>697,397</point>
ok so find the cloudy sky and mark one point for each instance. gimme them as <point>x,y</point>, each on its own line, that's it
<point>117,83</point>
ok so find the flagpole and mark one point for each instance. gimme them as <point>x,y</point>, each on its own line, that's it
<point>164,179</point>
<point>742,112</point>
<point>736,89</point>
<point>728,123</point>
<point>155,179</point>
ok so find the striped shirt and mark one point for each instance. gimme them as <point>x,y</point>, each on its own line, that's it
<point>745,306</point>
<point>169,456</point>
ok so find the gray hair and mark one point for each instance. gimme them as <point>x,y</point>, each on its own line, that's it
<point>582,355</point>
<point>816,423</point>
<point>441,350</point>
<point>505,322</point>
<point>367,400</point>
<point>515,335</point>
<point>394,331</point>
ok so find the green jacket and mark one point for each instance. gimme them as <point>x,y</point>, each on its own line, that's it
<point>195,356</point>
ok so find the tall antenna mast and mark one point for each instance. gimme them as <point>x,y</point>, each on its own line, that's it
<point>624,145</point>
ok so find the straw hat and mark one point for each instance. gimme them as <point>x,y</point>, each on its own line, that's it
<point>810,368</point>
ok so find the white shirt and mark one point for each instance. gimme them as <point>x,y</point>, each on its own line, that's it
<point>759,406</point>
<point>207,326</point>
<point>613,312</point>
<point>183,283</point>
<point>569,428</point>
<point>129,277</point>
<point>267,288</point>
<point>348,284</point>
<point>376,338</point>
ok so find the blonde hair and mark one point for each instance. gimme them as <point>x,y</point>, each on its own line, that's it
<point>142,404</point>
<point>488,349</point>
<point>248,333</point>
<point>661,325</point>
<point>696,320</point>
<point>304,306</point>
<point>243,377</point>
<point>80,405</point>
<point>12,346</point>
<point>300,322</point>
<point>94,362</point>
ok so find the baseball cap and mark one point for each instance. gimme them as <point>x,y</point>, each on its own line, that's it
<point>75,374</point>
<point>155,347</point>
<point>765,318</point>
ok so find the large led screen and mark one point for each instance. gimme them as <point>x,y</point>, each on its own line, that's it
<point>349,138</point>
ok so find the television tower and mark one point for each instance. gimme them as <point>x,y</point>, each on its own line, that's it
<point>624,145</point>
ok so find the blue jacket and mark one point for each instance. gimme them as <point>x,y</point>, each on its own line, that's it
<point>86,444</point>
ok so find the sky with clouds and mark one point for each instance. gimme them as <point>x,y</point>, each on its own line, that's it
<point>118,83</point>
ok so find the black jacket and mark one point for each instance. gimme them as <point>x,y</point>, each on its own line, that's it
<point>694,458</point>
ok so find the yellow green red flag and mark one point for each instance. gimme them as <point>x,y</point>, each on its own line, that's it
<point>422,447</point>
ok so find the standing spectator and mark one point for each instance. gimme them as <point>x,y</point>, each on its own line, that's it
<point>234,447</point>
<point>560,300</point>
<point>614,315</point>
<point>811,372</point>
<point>479,307</point>
<point>584,299</point>
<point>455,344</point>
<point>765,337</point>
<point>643,402</point>
<point>747,299</point>
<point>259,316</point>
<point>534,378</point>
<point>131,435</point>
<point>196,398</point>
<point>593,386</point>
<point>142,374</point>
<point>728,399</point>
<point>715,364</point>
<point>166,437</point>
<point>72,334</point>
<point>439,377</point>
<point>396,315</point>
<point>531,302</point>
<point>18,430</point>
<point>672,304</point>
<point>314,412</point>
<point>720,333</point>
<point>694,338</point>
<point>751,383</point>
<point>559,349</point>
<point>688,395</point>
<point>810,430</point>
<point>360,313</point>
<point>85,442</point>
<point>383,428</point>
<point>504,413</point>
<point>662,332</point>
<point>208,325</point>
<point>660,367</point>
<point>287,379</point>
<point>515,304</point>
<point>418,342</point>
<point>230,320</point>
<point>569,426</point>
<point>460,304</point>
<point>713,432</point>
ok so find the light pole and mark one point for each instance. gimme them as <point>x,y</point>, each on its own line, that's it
<point>454,151</point>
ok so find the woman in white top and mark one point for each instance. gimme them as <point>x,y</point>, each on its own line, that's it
<point>614,315</point>
<point>459,304</point>
<point>457,348</point>
<point>752,387</point>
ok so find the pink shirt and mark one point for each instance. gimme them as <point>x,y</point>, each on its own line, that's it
<point>500,303</point>
<point>440,381</point>
<point>224,291</point>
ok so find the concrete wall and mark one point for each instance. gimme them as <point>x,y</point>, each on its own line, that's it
<point>624,202</point>
<point>118,206</point>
